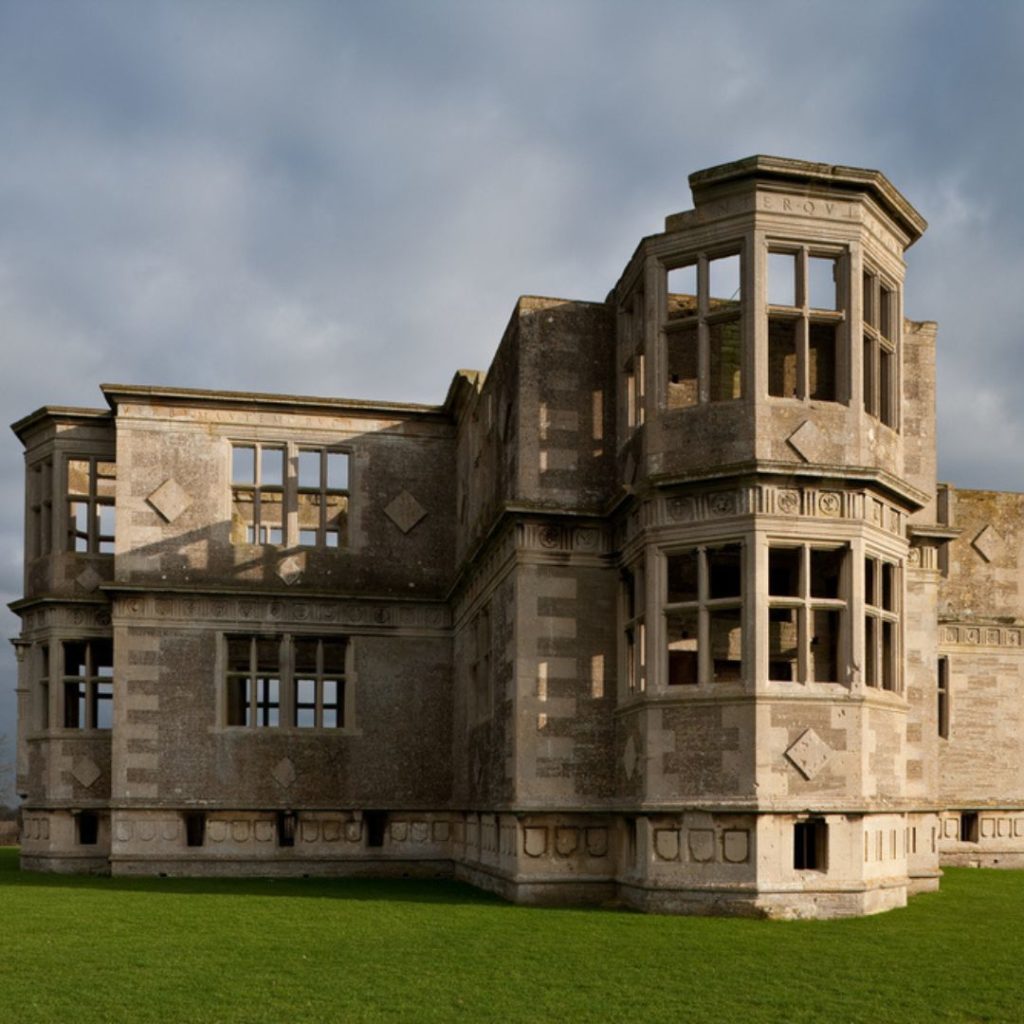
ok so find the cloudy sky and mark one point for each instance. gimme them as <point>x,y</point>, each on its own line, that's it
<point>346,198</point>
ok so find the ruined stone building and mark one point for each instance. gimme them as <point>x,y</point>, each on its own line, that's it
<point>666,608</point>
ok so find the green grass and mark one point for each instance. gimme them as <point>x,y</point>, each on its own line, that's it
<point>101,949</point>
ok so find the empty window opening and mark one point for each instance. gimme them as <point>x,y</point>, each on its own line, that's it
<point>88,683</point>
<point>90,485</point>
<point>257,494</point>
<point>704,615</point>
<point>823,282</point>
<point>807,595</point>
<point>253,681</point>
<point>631,843</point>
<point>41,508</point>
<point>805,317</point>
<point>810,845</point>
<point>270,483</point>
<point>323,497</point>
<point>782,357</point>
<point>632,327</point>
<point>44,686</point>
<point>195,828</point>
<point>881,624</point>
<point>480,664</point>
<point>943,694</point>
<point>319,682</point>
<point>376,827</point>
<point>634,633</point>
<point>683,362</point>
<point>969,827</point>
<point>286,821</point>
<point>703,331</point>
<point>87,824</point>
<point>880,348</point>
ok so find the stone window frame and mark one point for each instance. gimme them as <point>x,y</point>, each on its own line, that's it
<point>883,603</point>
<point>320,495</point>
<point>264,706</point>
<point>695,325</point>
<point>480,664</point>
<point>254,491</point>
<point>804,317</point>
<point>703,608</point>
<point>293,496</point>
<point>40,491</point>
<point>95,502</point>
<point>632,615</point>
<point>325,671</point>
<point>93,688</point>
<point>43,677</point>
<point>807,603</point>
<point>810,844</point>
<point>944,695</point>
<point>631,320</point>
<point>881,320</point>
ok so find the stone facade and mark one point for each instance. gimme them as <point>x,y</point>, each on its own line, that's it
<point>668,608</point>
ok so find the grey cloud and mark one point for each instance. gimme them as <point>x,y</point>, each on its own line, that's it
<point>347,198</point>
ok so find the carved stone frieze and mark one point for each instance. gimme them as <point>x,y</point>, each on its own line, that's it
<point>257,610</point>
<point>963,634</point>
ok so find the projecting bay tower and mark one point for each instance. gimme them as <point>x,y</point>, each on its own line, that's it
<point>776,436</point>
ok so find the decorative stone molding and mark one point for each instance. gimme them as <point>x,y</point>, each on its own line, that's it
<point>89,579</point>
<point>563,539</point>
<point>971,635</point>
<point>284,772</point>
<point>167,609</point>
<point>809,754</point>
<point>405,512</point>
<point>86,771</point>
<point>170,500</point>
<point>769,500</point>
<point>808,442</point>
<point>989,544</point>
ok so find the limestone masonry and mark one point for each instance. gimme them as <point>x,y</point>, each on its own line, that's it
<point>667,608</point>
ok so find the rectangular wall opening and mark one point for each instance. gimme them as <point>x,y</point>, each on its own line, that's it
<point>810,845</point>
<point>87,824</point>
<point>943,693</point>
<point>969,827</point>
<point>195,828</point>
<point>286,828</point>
<point>376,827</point>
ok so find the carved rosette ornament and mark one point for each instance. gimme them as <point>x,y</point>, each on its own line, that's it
<point>788,502</point>
<point>829,503</point>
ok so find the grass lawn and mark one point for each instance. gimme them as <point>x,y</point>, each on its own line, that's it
<point>100,949</point>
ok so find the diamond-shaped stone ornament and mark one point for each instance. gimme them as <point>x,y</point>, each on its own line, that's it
<point>405,511</point>
<point>89,579</point>
<point>988,544</point>
<point>808,442</point>
<point>169,500</point>
<point>86,771</point>
<point>810,753</point>
<point>291,569</point>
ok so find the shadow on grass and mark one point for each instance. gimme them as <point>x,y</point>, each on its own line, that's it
<point>441,890</point>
